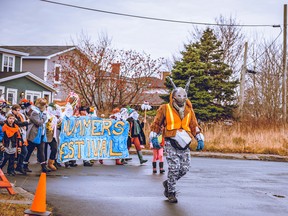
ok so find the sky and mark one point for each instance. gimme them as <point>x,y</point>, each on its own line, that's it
<point>35,22</point>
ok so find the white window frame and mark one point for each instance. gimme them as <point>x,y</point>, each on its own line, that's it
<point>47,93</point>
<point>3,92</point>
<point>55,66</point>
<point>38,94</point>
<point>13,62</point>
<point>15,95</point>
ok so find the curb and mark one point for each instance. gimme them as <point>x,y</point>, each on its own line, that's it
<point>236,156</point>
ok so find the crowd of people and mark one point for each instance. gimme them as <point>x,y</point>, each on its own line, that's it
<point>27,127</point>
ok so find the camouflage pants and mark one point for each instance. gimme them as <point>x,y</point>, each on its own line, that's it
<point>178,164</point>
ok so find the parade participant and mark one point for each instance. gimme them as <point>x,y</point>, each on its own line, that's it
<point>180,125</point>
<point>36,133</point>
<point>157,144</point>
<point>71,108</point>
<point>22,123</point>
<point>2,119</point>
<point>135,134</point>
<point>51,133</point>
<point>10,145</point>
<point>83,111</point>
<point>116,116</point>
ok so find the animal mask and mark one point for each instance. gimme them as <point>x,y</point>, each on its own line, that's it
<point>179,95</point>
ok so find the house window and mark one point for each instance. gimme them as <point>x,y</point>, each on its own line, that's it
<point>47,96</point>
<point>57,73</point>
<point>33,95</point>
<point>8,63</point>
<point>12,95</point>
<point>2,92</point>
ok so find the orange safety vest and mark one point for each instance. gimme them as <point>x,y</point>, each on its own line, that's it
<point>174,121</point>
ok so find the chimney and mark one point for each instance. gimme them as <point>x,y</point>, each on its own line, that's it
<point>165,74</point>
<point>115,68</point>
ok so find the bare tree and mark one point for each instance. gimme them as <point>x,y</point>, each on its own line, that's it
<point>105,77</point>
<point>263,91</point>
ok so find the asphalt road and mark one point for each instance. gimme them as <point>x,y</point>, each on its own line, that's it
<point>212,187</point>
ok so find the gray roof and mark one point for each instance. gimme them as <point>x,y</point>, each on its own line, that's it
<point>7,76</point>
<point>39,50</point>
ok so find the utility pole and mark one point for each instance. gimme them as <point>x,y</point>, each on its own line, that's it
<point>242,81</point>
<point>284,85</point>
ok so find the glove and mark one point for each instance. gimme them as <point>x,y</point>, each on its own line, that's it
<point>151,135</point>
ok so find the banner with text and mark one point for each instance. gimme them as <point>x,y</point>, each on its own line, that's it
<point>89,138</point>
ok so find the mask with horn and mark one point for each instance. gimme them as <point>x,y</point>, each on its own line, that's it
<point>179,95</point>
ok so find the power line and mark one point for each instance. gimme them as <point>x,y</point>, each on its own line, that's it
<point>158,19</point>
<point>266,48</point>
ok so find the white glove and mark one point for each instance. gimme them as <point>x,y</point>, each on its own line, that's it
<point>151,135</point>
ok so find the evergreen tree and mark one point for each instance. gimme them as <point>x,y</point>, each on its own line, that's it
<point>211,91</point>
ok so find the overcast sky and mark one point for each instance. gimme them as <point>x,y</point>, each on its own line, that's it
<point>34,22</point>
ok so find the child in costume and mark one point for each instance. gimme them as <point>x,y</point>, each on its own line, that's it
<point>200,141</point>
<point>157,144</point>
<point>10,143</point>
<point>22,123</point>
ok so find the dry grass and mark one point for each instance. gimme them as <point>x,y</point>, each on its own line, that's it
<point>243,137</point>
<point>11,209</point>
<point>261,138</point>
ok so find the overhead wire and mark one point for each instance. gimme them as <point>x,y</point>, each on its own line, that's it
<point>158,19</point>
<point>265,49</point>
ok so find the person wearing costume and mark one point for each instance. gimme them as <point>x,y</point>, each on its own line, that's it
<point>22,123</point>
<point>71,108</point>
<point>180,125</point>
<point>11,143</point>
<point>117,116</point>
<point>83,111</point>
<point>136,135</point>
<point>157,145</point>
<point>51,133</point>
<point>36,133</point>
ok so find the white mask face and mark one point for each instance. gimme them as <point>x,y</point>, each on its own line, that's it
<point>124,113</point>
<point>134,115</point>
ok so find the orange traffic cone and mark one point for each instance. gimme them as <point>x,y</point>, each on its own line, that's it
<point>38,206</point>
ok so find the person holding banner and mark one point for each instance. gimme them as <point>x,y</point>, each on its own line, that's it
<point>51,132</point>
<point>83,111</point>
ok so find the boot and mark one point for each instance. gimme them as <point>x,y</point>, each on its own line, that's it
<point>20,169</point>
<point>73,163</point>
<point>67,165</point>
<point>57,165</point>
<point>26,168</point>
<point>140,156</point>
<point>44,168</point>
<point>123,161</point>
<point>154,165</point>
<point>161,167</point>
<point>165,185</point>
<point>172,197</point>
<point>87,163</point>
<point>118,162</point>
<point>51,165</point>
